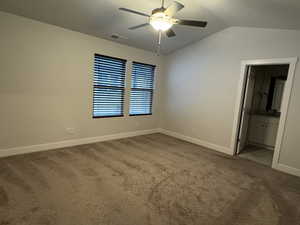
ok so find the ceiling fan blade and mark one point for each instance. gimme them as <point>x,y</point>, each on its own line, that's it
<point>138,26</point>
<point>174,8</point>
<point>193,23</point>
<point>133,11</point>
<point>170,33</point>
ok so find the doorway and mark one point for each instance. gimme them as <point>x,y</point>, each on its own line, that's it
<point>264,93</point>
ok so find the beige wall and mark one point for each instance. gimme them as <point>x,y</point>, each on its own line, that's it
<point>46,84</point>
<point>200,88</point>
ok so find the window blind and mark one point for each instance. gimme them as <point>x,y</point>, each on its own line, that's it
<point>109,85</point>
<point>142,79</point>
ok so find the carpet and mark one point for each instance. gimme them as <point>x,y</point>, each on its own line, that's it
<point>146,180</point>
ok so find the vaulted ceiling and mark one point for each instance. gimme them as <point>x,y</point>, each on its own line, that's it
<point>102,18</point>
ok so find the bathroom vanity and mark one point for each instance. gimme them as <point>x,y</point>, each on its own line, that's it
<point>263,130</point>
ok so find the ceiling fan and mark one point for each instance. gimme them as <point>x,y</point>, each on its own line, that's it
<point>162,20</point>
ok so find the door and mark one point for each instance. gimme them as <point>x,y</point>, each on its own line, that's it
<point>246,109</point>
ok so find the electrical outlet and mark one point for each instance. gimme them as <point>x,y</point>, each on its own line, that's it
<point>71,130</point>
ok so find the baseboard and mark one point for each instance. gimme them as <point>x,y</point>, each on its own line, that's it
<point>73,142</point>
<point>287,169</point>
<point>197,141</point>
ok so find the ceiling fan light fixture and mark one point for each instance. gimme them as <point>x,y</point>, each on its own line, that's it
<point>161,22</point>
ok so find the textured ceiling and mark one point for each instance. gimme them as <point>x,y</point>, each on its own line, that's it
<point>102,18</point>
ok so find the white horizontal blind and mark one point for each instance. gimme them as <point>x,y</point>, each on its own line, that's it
<point>142,80</point>
<point>109,85</point>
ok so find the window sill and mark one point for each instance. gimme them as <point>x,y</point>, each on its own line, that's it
<point>98,117</point>
<point>147,114</point>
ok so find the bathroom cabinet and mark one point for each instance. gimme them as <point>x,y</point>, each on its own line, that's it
<point>263,130</point>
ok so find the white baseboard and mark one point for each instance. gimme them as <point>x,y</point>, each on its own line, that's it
<point>287,169</point>
<point>196,141</point>
<point>73,142</point>
<point>278,166</point>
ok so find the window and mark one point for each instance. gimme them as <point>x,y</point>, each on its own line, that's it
<point>109,85</point>
<point>141,89</point>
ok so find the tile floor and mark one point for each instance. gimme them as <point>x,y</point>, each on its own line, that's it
<point>258,154</point>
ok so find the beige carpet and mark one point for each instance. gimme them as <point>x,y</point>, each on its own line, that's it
<point>152,179</point>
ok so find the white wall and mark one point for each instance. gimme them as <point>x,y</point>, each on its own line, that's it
<point>200,88</point>
<point>46,84</point>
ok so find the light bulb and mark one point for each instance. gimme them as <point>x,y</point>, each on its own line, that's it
<point>161,22</point>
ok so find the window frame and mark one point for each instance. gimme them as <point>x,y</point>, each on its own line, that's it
<point>143,89</point>
<point>123,89</point>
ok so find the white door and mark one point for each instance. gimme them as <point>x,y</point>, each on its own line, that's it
<point>246,109</point>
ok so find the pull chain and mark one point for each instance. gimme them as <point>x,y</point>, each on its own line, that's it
<point>159,43</point>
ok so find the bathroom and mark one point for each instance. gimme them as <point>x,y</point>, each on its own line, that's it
<point>265,90</point>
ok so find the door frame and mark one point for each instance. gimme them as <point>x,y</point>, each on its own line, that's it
<point>284,105</point>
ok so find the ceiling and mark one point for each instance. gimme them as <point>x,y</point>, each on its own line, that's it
<point>102,18</point>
